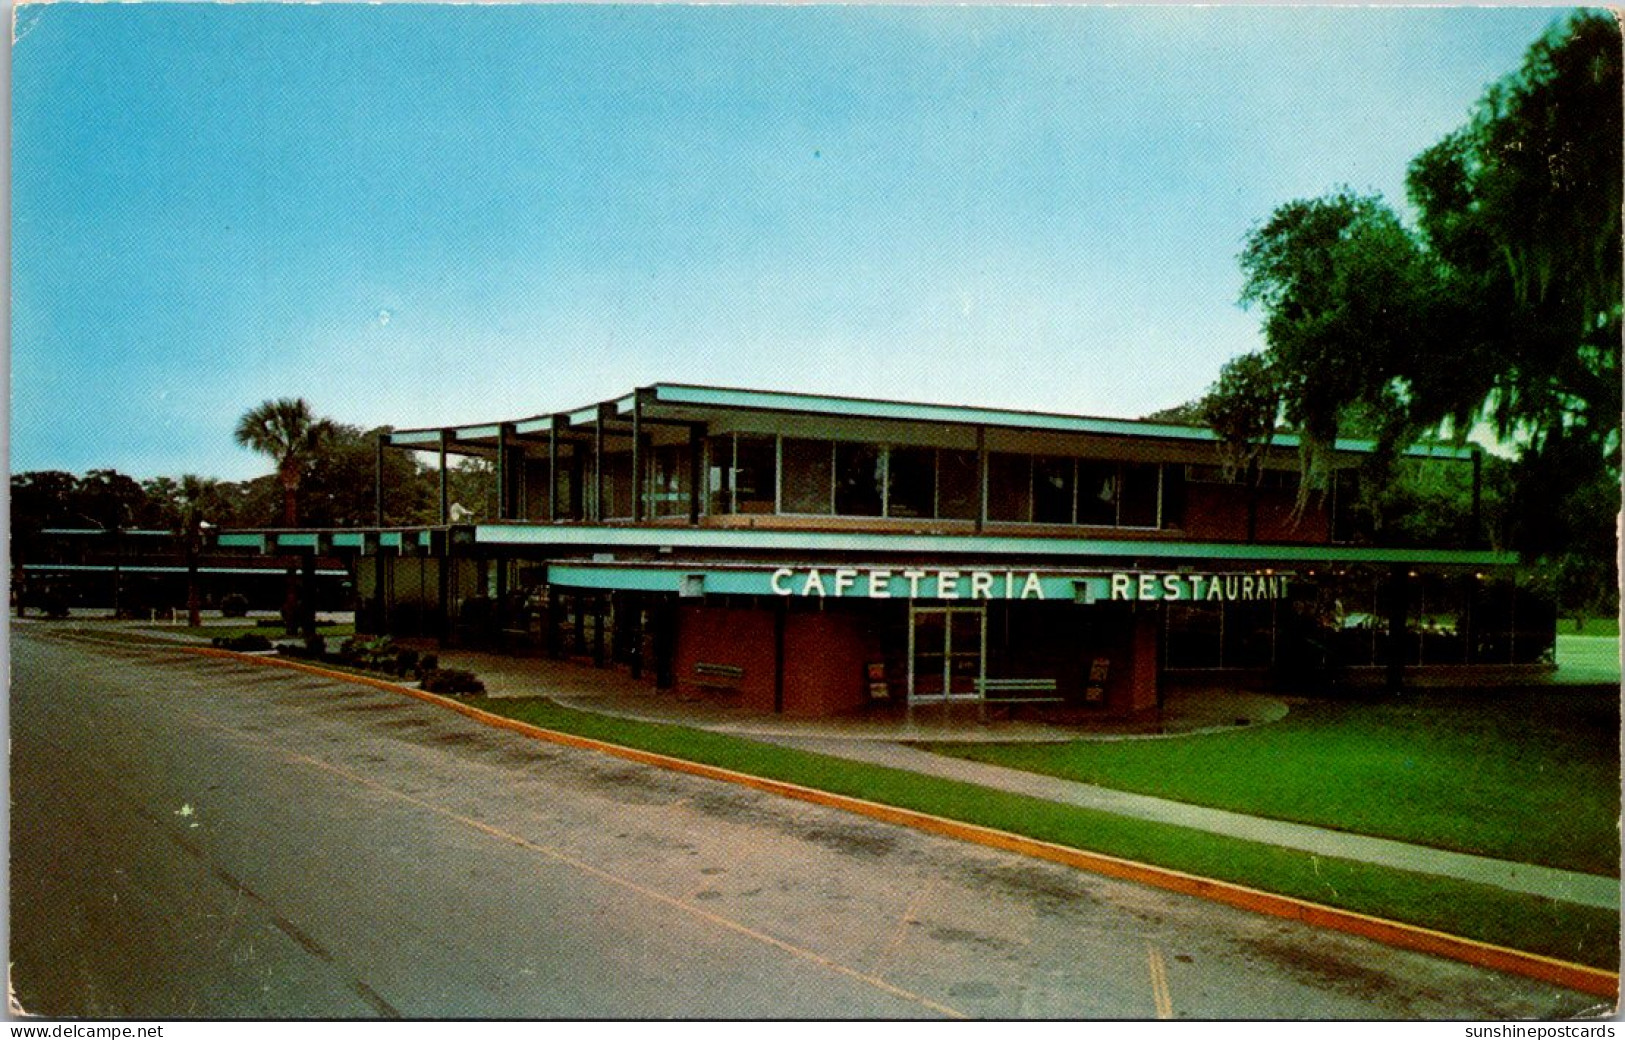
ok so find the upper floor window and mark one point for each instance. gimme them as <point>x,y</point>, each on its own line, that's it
<point>741,473</point>
<point>1097,493</point>
<point>860,479</point>
<point>808,476</point>
<point>758,473</point>
<point>911,482</point>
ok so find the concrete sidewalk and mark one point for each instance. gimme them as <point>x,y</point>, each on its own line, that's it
<point>1570,886</point>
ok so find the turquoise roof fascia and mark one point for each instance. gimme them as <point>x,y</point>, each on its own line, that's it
<point>864,542</point>
<point>240,539</point>
<point>759,581</point>
<point>855,407</point>
<point>136,532</point>
<point>140,568</point>
<point>405,437</point>
<point>682,394</point>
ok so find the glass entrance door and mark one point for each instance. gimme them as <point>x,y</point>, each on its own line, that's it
<point>947,654</point>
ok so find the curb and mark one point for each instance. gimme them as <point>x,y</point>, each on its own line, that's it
<point>1595,981</point>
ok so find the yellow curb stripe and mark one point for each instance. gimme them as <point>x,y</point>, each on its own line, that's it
<point>1595,981</point>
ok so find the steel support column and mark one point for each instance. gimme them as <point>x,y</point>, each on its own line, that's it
<point>553,470</point>
<point>598,466</point>
<point>378,481</point>
<point>696,470</point>
<point>502,471</point>
<point>445,490</point>
<point>981,478</point>
<point>637,457</point>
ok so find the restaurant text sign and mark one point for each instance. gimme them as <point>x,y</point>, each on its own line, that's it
<point>965,584</point>
<point>1223,588</point>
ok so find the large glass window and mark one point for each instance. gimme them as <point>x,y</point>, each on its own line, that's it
<point>1009,487</point>
<point>808,476</point>
<point>668,489</point>
<point>617,485</point>
<point>1052,490</point>
<point>912,473</point>
<point>719,463</point>
<point>1173,496</point>
<point>741,473</point>
<point>1194,635</point>
<point>1138,507</point>
<point>859,479</point>
<point>958,485</point>
<point>1097,493</point>
<point>755,473</point>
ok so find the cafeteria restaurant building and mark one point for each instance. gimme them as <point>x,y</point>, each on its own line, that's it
<point>813,556</point>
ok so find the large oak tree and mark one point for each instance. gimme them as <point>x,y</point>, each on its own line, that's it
<point>1501,306</point>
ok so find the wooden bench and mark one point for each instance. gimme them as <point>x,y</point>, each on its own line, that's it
<point>723,678</point>
<point>1000,691</point>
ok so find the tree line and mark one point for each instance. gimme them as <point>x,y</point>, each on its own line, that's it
<point>1498,310</point>
<point>324,477</point>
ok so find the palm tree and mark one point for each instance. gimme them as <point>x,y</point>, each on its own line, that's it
<point>287,431</point>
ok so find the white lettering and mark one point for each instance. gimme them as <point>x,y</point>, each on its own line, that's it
<point>1033,586</point>
<point>880,584</point>
<point>875,583</point>
<point>981,585</point>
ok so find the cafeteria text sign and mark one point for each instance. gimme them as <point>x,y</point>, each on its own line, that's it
<point>912,583</point>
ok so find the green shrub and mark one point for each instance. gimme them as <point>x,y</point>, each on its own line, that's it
<point>248,641</point>
<point>234,604</point>
<point>451,680</point>
<point>377,654</point>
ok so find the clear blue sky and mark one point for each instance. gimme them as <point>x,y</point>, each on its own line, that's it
<point>429,215</point>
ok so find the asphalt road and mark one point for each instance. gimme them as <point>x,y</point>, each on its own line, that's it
<point>193,837</point>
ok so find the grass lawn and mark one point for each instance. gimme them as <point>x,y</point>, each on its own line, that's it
<point>1563,930</point>
<point>1591,626</point>
<point>1525,775</point>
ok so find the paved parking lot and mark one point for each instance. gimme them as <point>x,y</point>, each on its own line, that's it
<point>198,837</point>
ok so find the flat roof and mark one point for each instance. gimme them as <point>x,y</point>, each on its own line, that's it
<point>863,543</point>
<point>676,398</point>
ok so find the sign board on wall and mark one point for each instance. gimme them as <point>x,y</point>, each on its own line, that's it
<point>940,583</point>
<point>929,583</point>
